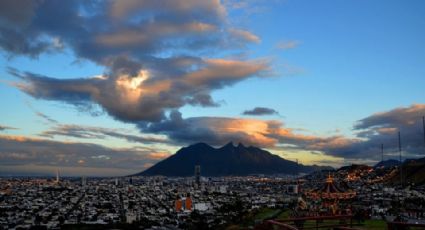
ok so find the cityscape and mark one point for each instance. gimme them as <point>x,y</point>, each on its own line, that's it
<point>359,195</point>
<point>212,114</point>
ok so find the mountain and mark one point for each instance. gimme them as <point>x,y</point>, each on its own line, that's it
<point>413,172</point>
<point>354,167</point>
<point>225,161</point>
<point>387,163</point>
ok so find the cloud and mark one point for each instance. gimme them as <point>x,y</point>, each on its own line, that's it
<point>101,31</point>
<point>24,151</point>
<point>373,131</point>
<point>45,117</point>
<point>287,44</point>
<point>399,117</point>
<point>381,128</point>
<point>158,155</point>
<point>153,52</point>
<point>220,130</point>
<point>213,130</point>
<point>244,35</point>
<point>259,111</point>
<point>89,132</point>
<point>159,56</point>
<point>210,9</point>
<point>144,97</point>
<point>17,13</point>
<point>4,127</point>
<point>250,7</point>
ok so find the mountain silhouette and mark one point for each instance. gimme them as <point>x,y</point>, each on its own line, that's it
<point>225,161</point>
<point>387,163</point>
<point>413,173</point>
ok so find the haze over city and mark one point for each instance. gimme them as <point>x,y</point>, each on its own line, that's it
<point>109,88</point>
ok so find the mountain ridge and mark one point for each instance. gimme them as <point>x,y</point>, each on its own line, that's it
<point>227,160</point>
<point>387,163</point>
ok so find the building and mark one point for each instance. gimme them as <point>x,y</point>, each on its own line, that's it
<point>331,195</point>
<point>188,204</point>
<point>198,174</point>
<point>178,205</point>
<point>57,176</point>
<point>131,217</point>
<point>292,189</point>
<point>183,204</point>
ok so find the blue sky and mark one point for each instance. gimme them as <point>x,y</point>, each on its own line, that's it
<point>324,66</point>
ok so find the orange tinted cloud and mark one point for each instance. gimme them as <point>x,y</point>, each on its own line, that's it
<point>158,155</point>
<point>223,69</point>
<point>244,35</point>
<point>18,138</point>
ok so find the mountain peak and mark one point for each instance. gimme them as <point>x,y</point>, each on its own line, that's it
<point>240,145</point>
<point>228,145</point>
<point>199,144</point>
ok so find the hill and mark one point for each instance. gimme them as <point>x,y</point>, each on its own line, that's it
<point>225,161</point>
<point>387,163</point>
<point>413,172</point>
<point>354,167</point>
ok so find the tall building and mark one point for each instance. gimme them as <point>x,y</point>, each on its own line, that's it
<point>83,181</point>
<point>57,175</point>
<point>198,174</point>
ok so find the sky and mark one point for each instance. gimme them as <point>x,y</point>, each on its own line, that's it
<point>109,88</point>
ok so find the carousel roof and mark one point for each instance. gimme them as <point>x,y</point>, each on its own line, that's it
<point>330,186</point>
<point>330,190</point>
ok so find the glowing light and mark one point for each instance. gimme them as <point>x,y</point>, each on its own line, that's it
<point>133,83</point>
<point>131,87</point>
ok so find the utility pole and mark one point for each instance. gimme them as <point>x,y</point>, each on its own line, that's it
<point>382,153</point>
<point>57,175</point>
<point>401,163</point>
<point>297,171</point>
<point>382,161</point>
<point>423,124</point>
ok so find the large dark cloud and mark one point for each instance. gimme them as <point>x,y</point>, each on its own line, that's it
<point>259,111</point>
<point>220,130</point>
<point>17,150</point>
<point>143,97</point>
<point>383,128</point>
<point>89,132</point>
<point>153,52</point>
<point>101,31</point>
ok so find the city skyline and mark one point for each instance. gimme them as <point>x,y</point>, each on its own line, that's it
<point>111,88</point>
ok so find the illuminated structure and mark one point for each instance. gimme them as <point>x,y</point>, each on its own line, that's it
<point>330,192</point>
<point>330,199</point>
